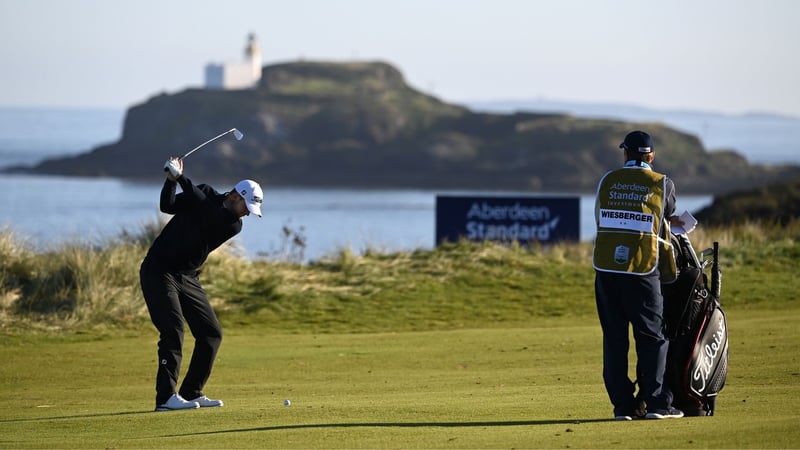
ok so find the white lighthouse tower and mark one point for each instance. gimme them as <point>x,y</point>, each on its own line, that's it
<point>236,75</point>
<point>252,54</point>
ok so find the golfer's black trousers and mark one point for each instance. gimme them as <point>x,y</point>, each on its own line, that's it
<point>172,298</point>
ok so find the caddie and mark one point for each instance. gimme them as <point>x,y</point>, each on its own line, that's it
<point>633,208</point>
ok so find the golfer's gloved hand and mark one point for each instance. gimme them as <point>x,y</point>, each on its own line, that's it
<point>174,166</point>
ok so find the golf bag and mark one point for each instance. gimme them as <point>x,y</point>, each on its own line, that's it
<point>697,362</point>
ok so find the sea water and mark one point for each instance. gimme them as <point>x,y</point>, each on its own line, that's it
<point>297,223</point>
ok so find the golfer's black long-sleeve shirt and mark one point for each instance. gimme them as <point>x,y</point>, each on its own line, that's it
<point>200,224</point>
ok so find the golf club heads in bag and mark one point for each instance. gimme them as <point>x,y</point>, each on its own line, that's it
<point>697,362</point>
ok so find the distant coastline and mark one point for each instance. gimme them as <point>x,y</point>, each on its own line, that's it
<point>763,138</point>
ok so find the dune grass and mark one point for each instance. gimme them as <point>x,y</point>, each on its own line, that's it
<point>461,285</point>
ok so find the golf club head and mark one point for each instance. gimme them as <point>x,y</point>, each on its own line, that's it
<point>237,134</point>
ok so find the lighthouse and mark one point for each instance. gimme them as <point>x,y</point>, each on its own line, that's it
<point>244,74</point>
<point>252,55</point>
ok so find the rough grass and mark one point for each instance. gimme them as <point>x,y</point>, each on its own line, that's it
<point>461,285</point>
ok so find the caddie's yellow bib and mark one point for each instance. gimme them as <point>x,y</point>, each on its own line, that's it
<point>630,211</point>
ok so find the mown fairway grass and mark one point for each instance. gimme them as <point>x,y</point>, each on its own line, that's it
<point>538,386</point>
<point>466,347</point>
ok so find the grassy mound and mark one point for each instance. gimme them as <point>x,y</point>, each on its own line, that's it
<point>461,285</point>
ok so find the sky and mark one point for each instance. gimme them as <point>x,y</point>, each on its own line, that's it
<point>725,56</point>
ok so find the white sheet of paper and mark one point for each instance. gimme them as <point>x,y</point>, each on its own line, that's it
<point>689,223</point>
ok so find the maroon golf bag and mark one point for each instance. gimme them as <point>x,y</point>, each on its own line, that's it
<point>697,362</point>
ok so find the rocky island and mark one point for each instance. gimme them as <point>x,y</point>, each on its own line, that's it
<point>360,125</point>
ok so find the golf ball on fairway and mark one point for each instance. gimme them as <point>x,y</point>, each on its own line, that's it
<point>287,403</point>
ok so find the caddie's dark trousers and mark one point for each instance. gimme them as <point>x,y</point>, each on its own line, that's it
<point>171,298</point>
<point>624,301</point>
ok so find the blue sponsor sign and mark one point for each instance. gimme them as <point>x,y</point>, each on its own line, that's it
<point>506,219</point>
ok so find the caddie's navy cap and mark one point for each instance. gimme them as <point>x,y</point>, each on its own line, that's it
<point>638,141</point>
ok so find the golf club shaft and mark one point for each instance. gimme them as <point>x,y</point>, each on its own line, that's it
<point>208,141</point>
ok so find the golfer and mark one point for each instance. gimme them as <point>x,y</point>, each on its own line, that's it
<point>631,206</point>
<point>203,219</point>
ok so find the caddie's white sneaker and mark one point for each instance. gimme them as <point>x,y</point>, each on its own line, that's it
<point>669,413</point>
<point>206,402</point>
<point>176,402</point>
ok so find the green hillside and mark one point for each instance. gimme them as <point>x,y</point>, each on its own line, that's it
<point>777,203</point>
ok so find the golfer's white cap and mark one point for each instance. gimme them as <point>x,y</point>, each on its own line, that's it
<point>252,194</point>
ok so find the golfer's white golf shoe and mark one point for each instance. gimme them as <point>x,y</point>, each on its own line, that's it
<point>175,403</point>
<point>206,402</point>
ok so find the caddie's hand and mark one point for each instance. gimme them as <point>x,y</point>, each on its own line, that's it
<point>174,168</point>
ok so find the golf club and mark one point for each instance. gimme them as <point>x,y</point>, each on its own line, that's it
<point>236,133</point>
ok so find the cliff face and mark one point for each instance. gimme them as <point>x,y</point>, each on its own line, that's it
<point>772,204</point>
<point>361,125</point>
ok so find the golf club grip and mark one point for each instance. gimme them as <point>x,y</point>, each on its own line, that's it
<point>716,273</point>
<point>167,170</point>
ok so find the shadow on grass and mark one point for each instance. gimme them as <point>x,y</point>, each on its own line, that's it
<point>516,423</point>
<point>76,416</point>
